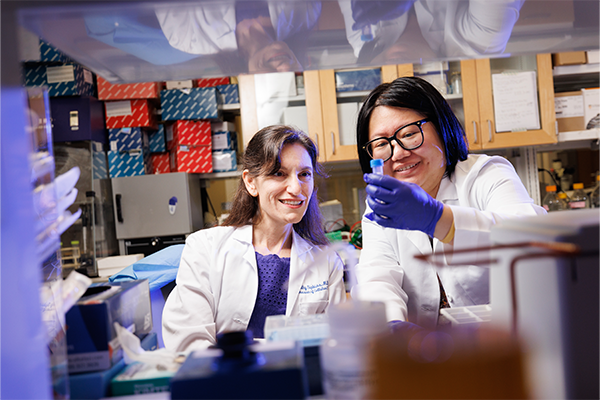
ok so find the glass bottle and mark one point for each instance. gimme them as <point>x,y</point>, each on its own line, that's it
<point>579,199</point>
<point>551,201</point>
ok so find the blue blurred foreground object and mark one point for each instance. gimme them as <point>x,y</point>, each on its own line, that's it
<point>159,268</point>
<point>401,205</point>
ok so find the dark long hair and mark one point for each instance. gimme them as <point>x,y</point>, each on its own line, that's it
<point>262,157</point>
<point>419,95</point>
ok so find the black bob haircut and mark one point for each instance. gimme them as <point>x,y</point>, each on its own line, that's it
<point>419,95</point>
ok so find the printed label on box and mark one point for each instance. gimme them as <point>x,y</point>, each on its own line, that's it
<point>220,141</point>
<point>118,108</point>
<point>87,77</point>
<point>64,73</point>
<point>568,106</point>
<point>83,362</point>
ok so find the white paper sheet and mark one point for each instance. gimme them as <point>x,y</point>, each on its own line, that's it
<point>515,101</point>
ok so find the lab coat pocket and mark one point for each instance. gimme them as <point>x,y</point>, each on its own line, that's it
<point>312,307</point>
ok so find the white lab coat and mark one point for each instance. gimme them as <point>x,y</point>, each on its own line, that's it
<point>217,285</point>
<point>483,190</point>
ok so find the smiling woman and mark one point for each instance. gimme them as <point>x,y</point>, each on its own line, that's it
<point>260,262</point>
<point>436,198</point>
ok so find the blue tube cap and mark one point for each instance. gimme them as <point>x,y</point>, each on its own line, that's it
<point>378,162</point>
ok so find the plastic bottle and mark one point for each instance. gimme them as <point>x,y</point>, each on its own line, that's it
<point>551,201</point>
<point>579,199</point>
<point>563,200</point>
<point>595,196</point>
<point>377,166</point>
<point>346,372</point>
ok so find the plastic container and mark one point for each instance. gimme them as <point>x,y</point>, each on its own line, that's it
<point>551,201</point>
<point>564,200</point>
<point>579,199</point>
<point>346,370</point>
<point>377,166</point>
<point>595,196</point>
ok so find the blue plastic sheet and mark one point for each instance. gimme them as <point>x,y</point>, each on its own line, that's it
<point>159,268</point>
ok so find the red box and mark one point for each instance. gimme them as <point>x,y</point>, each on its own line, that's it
<point>193,159</point>
<point>130,113</point>
<point>210,82</point>
<point>160,163</point>
<point>190,132</point>
<point>125,91</point>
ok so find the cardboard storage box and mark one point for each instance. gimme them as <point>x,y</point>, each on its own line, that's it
<point>130,138</point>
<point>195,103</point>
<point>191,158</point>
<point>35,49</point>
<point>211,82</point>
<point>569,58</point>
<point>97,385</point>
<point>129,163</point>
<point>77,118</point>
<point>157,140</point>
<point>127,91</point>
<point>229,94</point>
<point>61,80</point>
<point>224,161</point>
<point>591,108</point>
<point>130,113</point>
<point>568,107</point>
<point>187,132</point>
<point>160,163</point>
<point>140,378</point>
<point>357,80</point>
<point>224,140</point>
<point>91,337</point>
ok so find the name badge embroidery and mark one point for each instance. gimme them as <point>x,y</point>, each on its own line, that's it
<point>312,289</point>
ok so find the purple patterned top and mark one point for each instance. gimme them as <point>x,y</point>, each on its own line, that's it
<point>273,274</point>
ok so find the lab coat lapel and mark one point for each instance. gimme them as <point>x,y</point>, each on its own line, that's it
<point>244,236</point>
<point>299,264</point>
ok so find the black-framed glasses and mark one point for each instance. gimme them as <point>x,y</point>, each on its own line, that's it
<point>409,137</point>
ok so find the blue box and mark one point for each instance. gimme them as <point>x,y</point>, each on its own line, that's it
<point>49,53</point>
<point>99,162</point>
<point>129,163</point>
<point>91,336</point>
<point>62,80</point>
<point>194,103</point>
<point>357,80</point>
<point>96,385</point>
<point>157,140</point>
<point>229,94</point>
<point>131,138</point>
<point>224,141</point>
<point>224,161</point>
<point>77,118</point>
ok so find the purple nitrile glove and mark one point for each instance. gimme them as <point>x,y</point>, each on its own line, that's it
<point>401,205</point>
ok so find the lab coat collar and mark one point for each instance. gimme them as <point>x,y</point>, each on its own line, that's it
<point>243,235</point>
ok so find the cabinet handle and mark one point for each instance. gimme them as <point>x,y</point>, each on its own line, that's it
<point>119,212</point>
<point>490,129</point>
<point>333,143</point>
<point>474,132</point>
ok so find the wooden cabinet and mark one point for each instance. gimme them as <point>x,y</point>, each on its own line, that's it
<point>322,104</point>
<point>478,103</point>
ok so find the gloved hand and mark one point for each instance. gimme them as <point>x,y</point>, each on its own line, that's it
<point>401,205</point>
<point>404,328</point>
<point>369,12</point>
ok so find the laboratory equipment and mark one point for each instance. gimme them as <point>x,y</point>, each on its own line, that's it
<point>551,202</point>
<point>239,369</point>
<point>155,211</point>
<point>346,371</point>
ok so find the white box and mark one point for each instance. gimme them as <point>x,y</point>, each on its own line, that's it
<point>591,108</point>
<point>222,126</point>
<point>179,84</point>
<point>593,56</point>
<point>108,266</point>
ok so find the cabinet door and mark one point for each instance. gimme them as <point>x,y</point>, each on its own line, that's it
<point>492,137</point>
<point>340,110</point>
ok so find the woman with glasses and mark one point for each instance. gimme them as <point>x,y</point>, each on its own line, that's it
<point>432,197</point>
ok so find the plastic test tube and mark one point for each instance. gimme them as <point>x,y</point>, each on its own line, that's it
<point>377,166</point>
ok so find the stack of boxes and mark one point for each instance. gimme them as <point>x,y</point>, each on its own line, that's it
<point>188,108</point>
<point>131,120</point>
